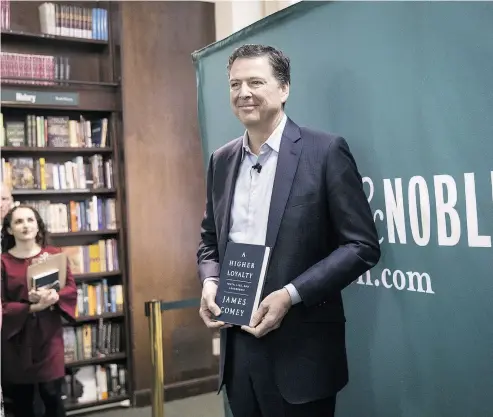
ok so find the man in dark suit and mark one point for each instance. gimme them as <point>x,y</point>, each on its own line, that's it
<point>299,192</point>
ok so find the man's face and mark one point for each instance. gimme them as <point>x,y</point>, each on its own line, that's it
<point>7,201</point>
<point>256,95</point>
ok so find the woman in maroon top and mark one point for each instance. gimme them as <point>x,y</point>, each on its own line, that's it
<point>32,332</point>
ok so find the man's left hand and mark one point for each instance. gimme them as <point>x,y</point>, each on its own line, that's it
<point>270,313</point>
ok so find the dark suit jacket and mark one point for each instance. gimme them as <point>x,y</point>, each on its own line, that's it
<point>323,237</point>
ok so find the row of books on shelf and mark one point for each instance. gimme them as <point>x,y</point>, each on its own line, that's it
<point>54,132</point>
<point>5,15</point>
<point>45,69</point>
<point>92,383</point>
<point>101,256</point>
<point>65,20</point>
<point>92,214</point>
<point>92,341</point>
<point>73,21</point>
<point>99,298</point>
<point>79,173</point>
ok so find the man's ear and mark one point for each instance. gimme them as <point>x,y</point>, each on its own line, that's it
<point>284,92</point>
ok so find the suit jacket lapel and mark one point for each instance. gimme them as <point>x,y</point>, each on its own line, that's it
<point>287,163</point>
<point>233,165</point>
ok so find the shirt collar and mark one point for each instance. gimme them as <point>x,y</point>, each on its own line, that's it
<point>274,140</point>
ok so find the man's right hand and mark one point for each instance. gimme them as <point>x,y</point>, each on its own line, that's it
<point>208,307</point>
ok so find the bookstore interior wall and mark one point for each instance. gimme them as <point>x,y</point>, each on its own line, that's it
<point>115,170</point>
<point>166,200</point>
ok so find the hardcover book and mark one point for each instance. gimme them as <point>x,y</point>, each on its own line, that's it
<point>47,280</point>
<point>48,271</point>
<point>241,282</point>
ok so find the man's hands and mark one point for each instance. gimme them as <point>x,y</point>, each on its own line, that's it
<point>268,317</point>
<point>209,308</point>
<point>45,299</point>
<point>270,313</point>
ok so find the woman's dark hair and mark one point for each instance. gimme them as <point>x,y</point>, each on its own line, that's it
<point>8,241</point>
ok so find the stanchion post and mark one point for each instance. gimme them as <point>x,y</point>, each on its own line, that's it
<point>153,312</point>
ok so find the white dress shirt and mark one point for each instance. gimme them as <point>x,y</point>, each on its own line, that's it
<point>253,190</point>
<point>252,195</point>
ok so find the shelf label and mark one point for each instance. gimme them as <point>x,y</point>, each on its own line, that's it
<point>57,98</point>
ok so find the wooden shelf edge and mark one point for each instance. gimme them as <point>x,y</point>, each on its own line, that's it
<point>87,97</point>
<point>18,193</point>
<point>58,108</point>
<point>48,37</point>
<point>91,276</point>
<point>104,316</point>
<point>84,233</point>
<point>40,149</point>
<point>79,406</point>
<point>95,361</point>
<point>55,84</point>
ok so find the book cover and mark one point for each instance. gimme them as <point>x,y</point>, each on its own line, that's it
<point>58,132</point>
<point>47,280</point>
<point>42,270</point>
<point>241,282</point>
<point>15,133</point>
<point>22,173</point>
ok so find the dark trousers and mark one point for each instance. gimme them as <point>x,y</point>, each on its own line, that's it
<point>24,404</point>
<point>251,387</point>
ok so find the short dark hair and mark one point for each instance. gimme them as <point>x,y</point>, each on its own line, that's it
<point>8,241</point>
<point>278,61</point>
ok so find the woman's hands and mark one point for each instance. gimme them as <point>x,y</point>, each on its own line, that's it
<point>34,296</point>
<point>42,299</point>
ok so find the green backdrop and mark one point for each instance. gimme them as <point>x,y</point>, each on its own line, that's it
<point>410,86</point>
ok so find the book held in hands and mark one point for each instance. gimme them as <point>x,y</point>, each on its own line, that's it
<point>48,271</point>
<point>241,282</point>
<point>47,280</point>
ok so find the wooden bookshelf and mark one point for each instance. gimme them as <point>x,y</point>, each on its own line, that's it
<point>115,357</point>
<point>92,404</point>
<point>23,36</point>
<point>19,193</point>
<point>55,84</point>
<point>105,316</point>
<point>84,233</point>
<point>24,150</point>
<point>96,276</point>
<point>93,96</point>
<point>95,90</point>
